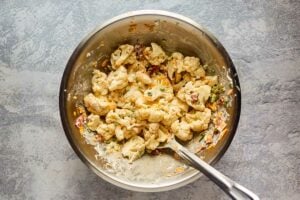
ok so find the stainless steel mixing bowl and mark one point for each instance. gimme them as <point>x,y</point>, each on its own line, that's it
<point>174,33</point>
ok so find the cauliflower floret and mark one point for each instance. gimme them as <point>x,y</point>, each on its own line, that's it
<point>98,105</point>
<point>192,65</point>
<point>182,130</point>
<point>175,64</point>
<point>99,83</point>
<point>155,54</point>
<point>162,135</point>
<point>150,129</point>
<point>113,147</point>
<point>134,148</point>
<point>152,143</point>
<point>173,111</point>
<point>177,103</point>
<point>161,88</point>
<point>119,56</point>
<point>195,94</point>
<point>199,121</point>
<point>155,115</point>
<point>143,77</point>
<point>142,114</point>
<point>107,131</point>
<point>198,97</point>
<point>150,114</point>
<point>93,121</point>
<point>117,79</point>
<point>186,78</point>
<point>123,117</point>
<point>119,132</point>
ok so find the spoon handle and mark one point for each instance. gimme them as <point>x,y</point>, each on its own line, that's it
<point>233,189</point>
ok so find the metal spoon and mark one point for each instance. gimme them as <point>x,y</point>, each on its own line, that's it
<point>233,189</point>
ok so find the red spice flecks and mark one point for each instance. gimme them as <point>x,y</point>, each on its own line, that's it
<point>194,97</point>
<point>80,121</point>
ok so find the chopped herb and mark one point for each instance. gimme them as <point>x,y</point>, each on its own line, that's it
<point>217,89</point>
<point>149,94</point>
<point>213,97</point>
<point>201,137</point>
<point>162,89</point>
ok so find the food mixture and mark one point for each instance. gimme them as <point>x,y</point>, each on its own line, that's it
<point>142,96</point>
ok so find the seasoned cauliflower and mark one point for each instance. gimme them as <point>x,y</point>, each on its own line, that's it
<point>155,54</point>
<point>152,143</point>
<point>195,94</point>
<point>119,56</point>
<point>93,121</point>
<point>160,88</point>
<point>107,131</point>
<point>98,105</point>
<point>192,65</point>
<point>99,83</point>
<point>182,130</point>
<point>118,79</point>
<point>143,77</point>
<point>211,80</point>
<point>134,148</point>
<point>198,121</point>
<point>113,147</point>
<point>149,97</point>
<point>175,64</point>
<point>123,117</point>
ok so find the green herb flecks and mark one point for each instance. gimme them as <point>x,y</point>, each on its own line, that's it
<point>201,137</point>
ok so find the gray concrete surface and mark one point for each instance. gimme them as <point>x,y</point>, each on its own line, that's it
<point>36,40</point>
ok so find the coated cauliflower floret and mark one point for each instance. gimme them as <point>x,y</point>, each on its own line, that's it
<point>152,143</point>
<point>123,117</point>
<point>134,148</point>
<point>134,95</point>
<point>93,121</point>
<point>143,77</point>
<point>175,64</point>
<point>156,115</point>
<point>192,65</point>
<point>119,56</point>
<point>119,132</point>
<point>161,88</point>
<point>174,110</point>
<point>199,121</point>
<point>150,114</point>
<point>155,54</point>
<point>195,94</point>
<point>182,130</point>
<point>107,131</point>
<point>113,147</point>
<point>99,83</point>
<point>151,129</point>
<point>148,97</point>
<point>98,105</point>
<point>117,79</point>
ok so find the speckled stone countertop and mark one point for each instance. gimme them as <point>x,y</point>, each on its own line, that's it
<point>36,40</point>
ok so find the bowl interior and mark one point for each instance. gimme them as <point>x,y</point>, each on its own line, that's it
<point>173,33</point>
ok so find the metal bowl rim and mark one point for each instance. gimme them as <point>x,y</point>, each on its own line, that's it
<point>63,96</point>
